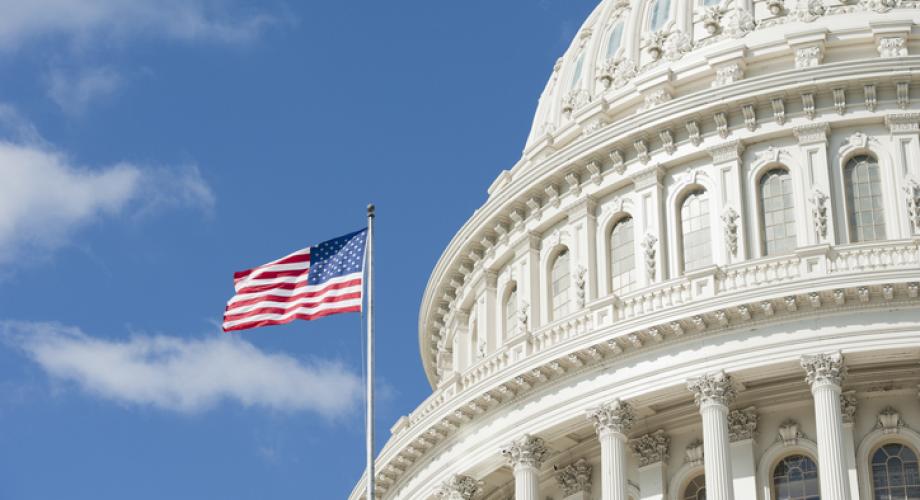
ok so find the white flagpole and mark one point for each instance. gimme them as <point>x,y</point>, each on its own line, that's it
<point>370,352</point>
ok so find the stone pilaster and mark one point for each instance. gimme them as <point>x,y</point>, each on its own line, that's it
<point>459,487</point>
<point>575,480</point>
<point>652,450</point>
<point>713,394</point>
<point>613,421</point>
<point>825,374</point>
<point>526,456</point>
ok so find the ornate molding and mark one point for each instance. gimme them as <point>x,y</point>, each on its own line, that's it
<point>824,369</point>
<point>651,448</point>
<point>712,389</point>
<point>730,227</point>
<point>742,424</point>
<point>616,416</point>
<point>903,122</point>
<point>575,478</point>
<point>693,455</point>
<point>810,56</point>
<point>649,250</point>
<point>892,46</point>
<point>811,133</point>
<point>789,433</point>
<point>819,200</point>
<point>889,421</point>
<point>848,406</point>
<point>729,151</point>
<point>528,451</point>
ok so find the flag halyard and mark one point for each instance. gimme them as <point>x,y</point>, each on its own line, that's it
<point>311,283</point>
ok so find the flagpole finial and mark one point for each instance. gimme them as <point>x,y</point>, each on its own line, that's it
<point>371,210</point>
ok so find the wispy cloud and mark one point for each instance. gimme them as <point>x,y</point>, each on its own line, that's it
<point>185,375</point>
<point>74,91</point>
<point>86,21</point>
<point>45,197</point>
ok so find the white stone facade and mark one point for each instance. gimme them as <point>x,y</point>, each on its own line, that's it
<point>711,246</point>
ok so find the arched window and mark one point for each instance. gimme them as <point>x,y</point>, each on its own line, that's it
<point>511,308</point>
<point>613,42</point>
<point>658,14</point>
<point>777,212</point>
<point>559,289</point>
<point>709,3</point>
<point>796,478</point>
<point>622,256</point>
<point>895,474</point>
<point>864,199</point>
<point>696,489</point>
<point>696,239</point>
<point>579,69</point>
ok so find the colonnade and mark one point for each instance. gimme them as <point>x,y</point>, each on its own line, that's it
<point>714,394</point>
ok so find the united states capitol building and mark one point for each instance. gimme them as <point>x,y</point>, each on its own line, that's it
<point>700,280</point>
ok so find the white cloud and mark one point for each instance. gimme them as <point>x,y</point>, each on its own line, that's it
<point>45,197</point>
<point>186,376</point>
<point>74,91</point>
<point>84,21</point>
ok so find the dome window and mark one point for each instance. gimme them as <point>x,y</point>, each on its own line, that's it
<point>796,478</point>
<point>622,256</point>
<point>659,12</point>
<point>865,214</point>
<point>895,472</point>
<point>777,212</point>
<point>613,42</point>
<point>559,289</point>
<point>696,238</point>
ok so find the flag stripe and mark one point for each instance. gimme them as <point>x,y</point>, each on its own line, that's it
<point>310,283</point>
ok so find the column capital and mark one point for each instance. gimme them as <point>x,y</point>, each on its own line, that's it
<point>712,389</point>
<point>575,478</point>
<point>526,451</point>
<point>824,369</point>
<point>742,424</point>
<point>651,448</point>
<point>459,487</point>
<point>616,416</point>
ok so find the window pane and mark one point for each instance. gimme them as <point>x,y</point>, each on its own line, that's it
<point>622,256</point>
<point>696,237</point>
<point>659,14</point>
<point>613,43</point>
<point>560,285</point>
<point>796,478</point>
<point>696,489</point>
<point>777,212</point>
<point>864,199</point>
<point>894,473</point>
<point>576,76</point>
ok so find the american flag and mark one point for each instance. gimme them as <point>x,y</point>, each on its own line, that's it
<point>311,283</point>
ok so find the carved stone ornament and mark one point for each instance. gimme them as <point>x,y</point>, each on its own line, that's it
<point>789,433</point>
<point>889,421</point>
<point>676,45</point>
<point>806,57</point>
<point>522,316</point>
<point>742,424</point>
<point>654,43</point>
<point>848,406</point>
<point>575,478</point>
<point>575,100</point>
<point>711,18</point>
<point>616,72</point>
<point>580,286</point>
<point>655,98</point>
<point>737,22</point>
<point>528,451</point>
<point>648,245</point>
<point>694,453</point>
<point>651,448</point>
<point>729,73</point>
<point>912,197</point>
<point>818,200</point>
<point>616,416</point>
<point>822,369</point>
<point>730,226</point>
<point>459,487</point>
<point>879,6</point>
<point>775,7</point>
<point>892,46</point>
<point>807,10</point>
<point>712,389</point>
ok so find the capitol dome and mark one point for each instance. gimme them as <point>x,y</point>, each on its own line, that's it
<point>701,278</point>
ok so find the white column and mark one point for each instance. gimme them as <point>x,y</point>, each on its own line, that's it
<point>652,450</point>
<point>613,421</point>
<point>825,374</point>
<point>459,488</point>
<point>713,394</point>
<point>526,457</point>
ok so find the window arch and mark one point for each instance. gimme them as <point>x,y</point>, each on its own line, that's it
<point>777,212</point>
<point>559,285</point>
<point>659,12</point>
<point>895,473</point>
<point>510,308</point>
<point>614,40</point>
<point>795,477</point>
<point>865,214</point>
<point>695,489</point>
<point>696,238</point>
<point>622,256</point>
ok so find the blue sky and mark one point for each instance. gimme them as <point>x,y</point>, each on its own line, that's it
<point>150,148</point>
